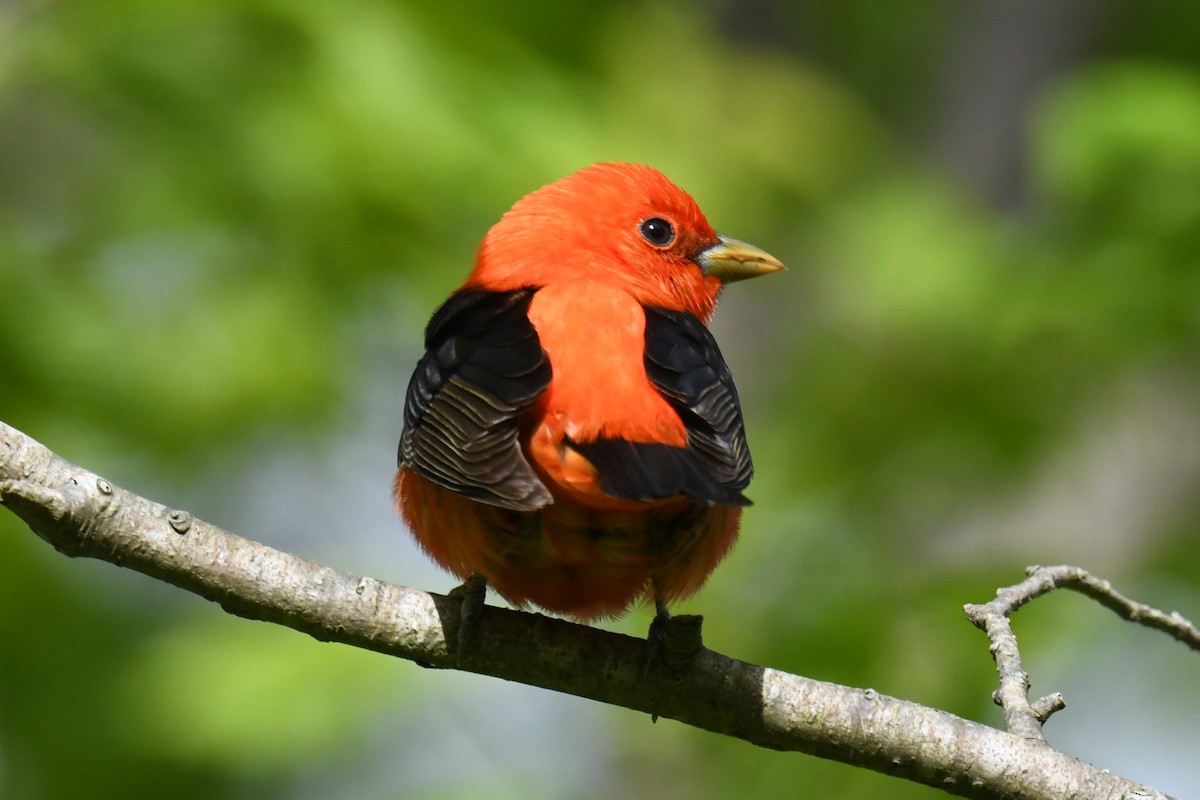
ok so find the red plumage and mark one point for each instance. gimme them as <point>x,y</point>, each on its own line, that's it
<point>572,433</point>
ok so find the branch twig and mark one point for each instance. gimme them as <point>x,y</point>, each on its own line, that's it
<point>1021,717</point>
<point>82,514</point>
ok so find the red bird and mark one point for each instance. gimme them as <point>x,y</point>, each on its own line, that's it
<point>572,433</point>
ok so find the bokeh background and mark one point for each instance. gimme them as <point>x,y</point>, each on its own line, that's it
<point>223,226</point>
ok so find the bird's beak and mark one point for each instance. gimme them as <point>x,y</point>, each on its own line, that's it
<point>731,260</point>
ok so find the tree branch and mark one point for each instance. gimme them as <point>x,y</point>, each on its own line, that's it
<point>1020,716</point>
<point>82,514</point>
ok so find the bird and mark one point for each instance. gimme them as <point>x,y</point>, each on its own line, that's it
<point>572,436</point>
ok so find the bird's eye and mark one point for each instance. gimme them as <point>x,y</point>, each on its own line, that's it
<point>657,231</point>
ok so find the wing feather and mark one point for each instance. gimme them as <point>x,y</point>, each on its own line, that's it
<point>686,366</point>
<point>483,368</point>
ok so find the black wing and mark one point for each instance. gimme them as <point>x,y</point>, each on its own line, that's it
<point>685,365</point>
<point>483,367</point>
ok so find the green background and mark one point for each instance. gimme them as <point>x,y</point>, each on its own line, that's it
<point>223,226</point>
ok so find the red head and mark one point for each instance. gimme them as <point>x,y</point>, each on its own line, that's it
<point>622,222</point>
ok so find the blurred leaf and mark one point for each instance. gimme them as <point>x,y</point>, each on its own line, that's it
<point>248,697</point>
<point>1122,142</point>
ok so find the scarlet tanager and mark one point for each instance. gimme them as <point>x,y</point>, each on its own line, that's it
<point>572,433</point>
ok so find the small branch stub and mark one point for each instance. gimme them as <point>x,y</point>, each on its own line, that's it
<point>1045,706</point>
<point>180,521</point>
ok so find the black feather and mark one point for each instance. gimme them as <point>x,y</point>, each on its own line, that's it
<point>483,368</point>
<point>648,471</point>
<point>685,365</point>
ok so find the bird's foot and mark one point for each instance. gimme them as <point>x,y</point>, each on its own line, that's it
<point>673,641</point>
<point>470,596</point>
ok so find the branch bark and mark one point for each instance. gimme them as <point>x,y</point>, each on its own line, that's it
<point>1020,716</point>
<point>82,514</point>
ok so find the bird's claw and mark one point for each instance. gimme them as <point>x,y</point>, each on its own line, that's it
<point>673,641</point>
<point>470,594</point>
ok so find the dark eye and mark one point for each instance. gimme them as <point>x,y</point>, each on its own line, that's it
<point>657,231</point>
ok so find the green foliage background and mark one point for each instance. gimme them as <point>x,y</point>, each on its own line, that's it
<point>224,224</point>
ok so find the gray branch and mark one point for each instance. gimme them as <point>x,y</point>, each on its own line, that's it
<point>1021,717</point>
<point>82,514</point>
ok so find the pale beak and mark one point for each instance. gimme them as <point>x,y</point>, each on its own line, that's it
<point>731,260</point>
